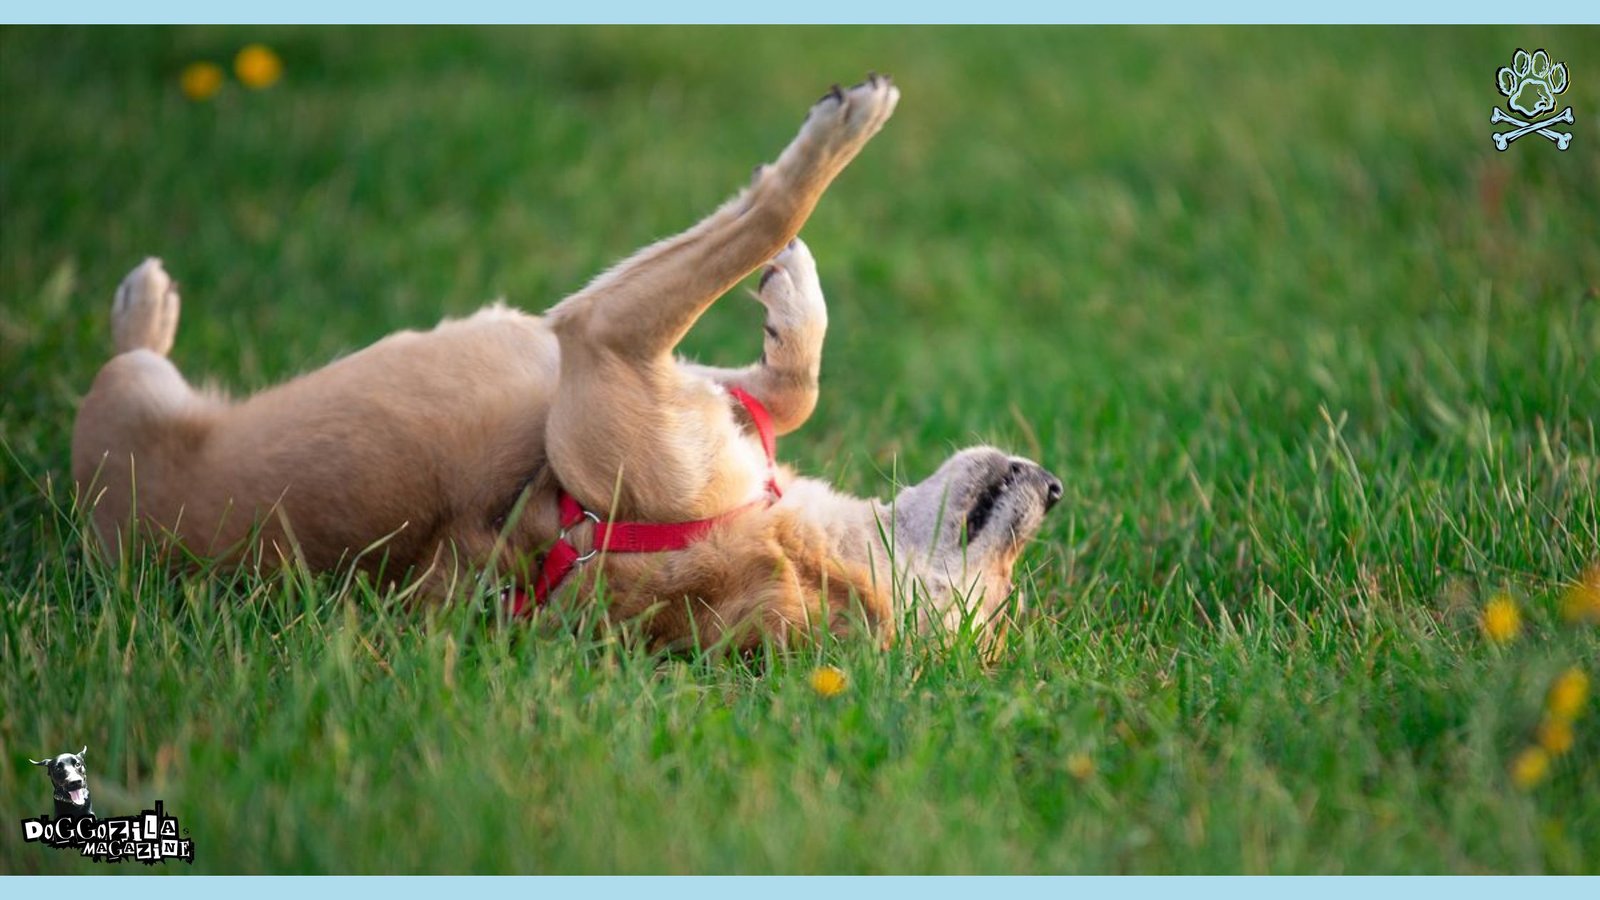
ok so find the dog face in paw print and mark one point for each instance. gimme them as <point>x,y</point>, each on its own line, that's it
<point>1532,82</point>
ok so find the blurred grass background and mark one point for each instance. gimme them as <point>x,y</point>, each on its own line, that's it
<point>1315,362</point>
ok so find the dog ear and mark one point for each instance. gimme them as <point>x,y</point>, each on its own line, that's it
<point>84,750</point>
<point>39,762</point>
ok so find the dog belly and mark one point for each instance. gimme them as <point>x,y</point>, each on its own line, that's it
<point>386,451</point>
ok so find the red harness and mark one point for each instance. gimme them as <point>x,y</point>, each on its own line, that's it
<point>638,537</point>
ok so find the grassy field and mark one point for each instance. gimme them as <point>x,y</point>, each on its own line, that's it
<point>1316,364</point>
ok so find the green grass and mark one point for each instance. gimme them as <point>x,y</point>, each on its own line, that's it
<point>1316,364</point>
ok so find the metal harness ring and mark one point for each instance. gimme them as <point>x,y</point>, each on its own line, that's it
<point>593,551</point>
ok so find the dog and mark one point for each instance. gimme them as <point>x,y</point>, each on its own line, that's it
<point>70,780</point>
<point>572,449</point>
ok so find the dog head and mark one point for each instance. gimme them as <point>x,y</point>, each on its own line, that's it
<point>963,529</point>
<point>69,776</point>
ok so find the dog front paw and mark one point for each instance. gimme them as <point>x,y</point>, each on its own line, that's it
<point>835,130</point>
<point>791,291</point>
<point>844,119</point>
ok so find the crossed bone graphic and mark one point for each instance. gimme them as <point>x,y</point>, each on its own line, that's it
<point>1503,139</point>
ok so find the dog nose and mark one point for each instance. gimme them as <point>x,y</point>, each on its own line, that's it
<point>1052,491</point>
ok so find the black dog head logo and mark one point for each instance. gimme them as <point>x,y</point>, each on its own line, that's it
<point>70,779</point>
<point>1532,82</point>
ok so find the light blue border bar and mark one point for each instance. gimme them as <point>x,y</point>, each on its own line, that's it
<point>831,888</point>
<point>809,11</point>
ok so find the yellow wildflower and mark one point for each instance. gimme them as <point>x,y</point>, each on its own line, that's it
<point>257,67</point>
<point>201,80</point>
<point>828,681</point>
<point>1568,694</point>
<point>1502,621</point>
<point>1530,767</point>
<point>1580,602</point>
<point>1080,766</point>
<point>1555,735</point>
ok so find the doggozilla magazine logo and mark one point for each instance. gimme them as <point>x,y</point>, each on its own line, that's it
<point>150,837</point>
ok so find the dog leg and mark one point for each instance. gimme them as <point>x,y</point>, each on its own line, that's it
<point>140,419</point>
<point>144,314</point>
<point>644,306</point>
<point>629,431</point>
<point>786,378</point>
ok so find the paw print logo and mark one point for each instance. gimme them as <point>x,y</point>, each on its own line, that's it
<point>1530,85</point>
<point>1532,82</point>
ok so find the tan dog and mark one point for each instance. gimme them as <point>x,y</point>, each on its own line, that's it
<point>442,452</point>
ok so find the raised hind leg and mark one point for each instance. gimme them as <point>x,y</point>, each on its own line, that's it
<point>141,421</point>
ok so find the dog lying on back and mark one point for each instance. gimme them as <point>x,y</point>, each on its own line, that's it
<point>70,779</point>
<point>543,447</point>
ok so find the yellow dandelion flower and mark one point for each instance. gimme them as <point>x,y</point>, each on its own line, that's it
<point>1568,694</point>
<point>828,681</point>
<point>1580,602</point>
<point>1555,735</point>
<point>200,81</point>
<point>1502,621</point>
<point>257,67</point>
<point>1530,767</point>
<point>1080,766</point>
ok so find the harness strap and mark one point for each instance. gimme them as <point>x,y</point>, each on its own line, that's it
<point>639,537</point>
<point>762,420</point>
<point>768,434</point>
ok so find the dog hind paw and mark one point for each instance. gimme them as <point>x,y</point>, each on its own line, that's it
<point>144,314</point>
